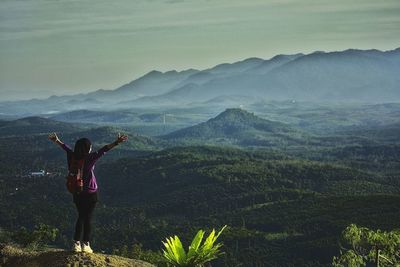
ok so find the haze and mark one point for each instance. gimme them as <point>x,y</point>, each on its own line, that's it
<point>65,47</point>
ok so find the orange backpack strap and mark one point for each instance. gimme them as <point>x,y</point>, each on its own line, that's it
<point>75,175</point>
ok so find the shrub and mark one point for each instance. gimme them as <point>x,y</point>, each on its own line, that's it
<point>198,253</point>
<point>36,239</point>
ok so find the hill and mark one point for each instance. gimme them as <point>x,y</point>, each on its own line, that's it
<point>106,134</point>
<point>37,125</point>
<point>238,127</point>
<point>13,256</point>
<point>36,129</point>
<point>384,133</point>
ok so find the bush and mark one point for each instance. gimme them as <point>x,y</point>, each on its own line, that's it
<point>36,239</point>
<point>197,255</point>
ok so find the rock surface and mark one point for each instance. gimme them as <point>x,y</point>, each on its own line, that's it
<point>13,256</point>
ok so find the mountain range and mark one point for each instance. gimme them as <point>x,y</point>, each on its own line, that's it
<point>346,76</point>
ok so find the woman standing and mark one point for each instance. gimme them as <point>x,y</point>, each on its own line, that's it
<point>86,200</point>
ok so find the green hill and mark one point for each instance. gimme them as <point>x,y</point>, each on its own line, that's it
<point>238,127</point>
<point>32,128</point>
<point>37,125</point>
<point>106,134</point>
<point>388,134</point>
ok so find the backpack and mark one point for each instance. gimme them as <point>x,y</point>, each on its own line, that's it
<point>75,176</point>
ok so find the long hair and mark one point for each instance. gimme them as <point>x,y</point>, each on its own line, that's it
<point>82,147</point>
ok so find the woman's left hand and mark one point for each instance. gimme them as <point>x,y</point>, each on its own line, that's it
<point>122,138</point>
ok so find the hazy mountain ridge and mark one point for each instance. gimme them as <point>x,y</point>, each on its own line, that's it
<point>350,75</point>
<point>274,62</point>
<point>346,76</point>
<point>152,83</point>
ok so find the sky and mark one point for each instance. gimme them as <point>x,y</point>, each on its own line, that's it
<point>57,47</point>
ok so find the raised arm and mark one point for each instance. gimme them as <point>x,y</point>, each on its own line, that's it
<point>53,137</point>
<point>120,139</point>
<point>104,149</point>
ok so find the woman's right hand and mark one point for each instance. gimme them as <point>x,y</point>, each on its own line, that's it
<point>53,137</point>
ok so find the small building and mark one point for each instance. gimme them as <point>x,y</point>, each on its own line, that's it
<point>40,173</point>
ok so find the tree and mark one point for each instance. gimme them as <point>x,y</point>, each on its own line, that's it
<point>367,246</point>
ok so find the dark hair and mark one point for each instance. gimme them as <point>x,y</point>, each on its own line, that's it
<point>82,147</point>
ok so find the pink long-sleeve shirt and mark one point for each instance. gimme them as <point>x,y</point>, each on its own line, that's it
<point>89,179</point>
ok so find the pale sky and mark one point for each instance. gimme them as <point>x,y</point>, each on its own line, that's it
<point>69,46</point>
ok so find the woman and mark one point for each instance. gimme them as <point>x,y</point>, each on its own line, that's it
<point>86,200</point>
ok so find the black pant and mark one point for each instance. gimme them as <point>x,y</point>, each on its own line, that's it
<point>85,203</point>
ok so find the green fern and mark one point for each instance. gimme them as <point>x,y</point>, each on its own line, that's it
<point>198,254</point>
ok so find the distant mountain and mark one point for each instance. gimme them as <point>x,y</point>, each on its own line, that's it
<point>238,127</point>
<point>152,83</point>
<point>351,75</point>
<point>274,62</point>
<point>237,67</point>
<point>36,125</point>
<point>346,76</point>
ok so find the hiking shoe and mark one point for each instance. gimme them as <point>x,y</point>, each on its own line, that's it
<point>86,247</point>
<point>76,247</point>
